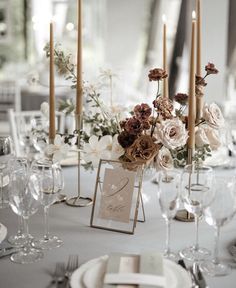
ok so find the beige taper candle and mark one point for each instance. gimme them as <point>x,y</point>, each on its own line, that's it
<point>165,65</point>
<point>192,96</point>
<point>52,131</point>
<point>200,101</point>
<point>79,89</point>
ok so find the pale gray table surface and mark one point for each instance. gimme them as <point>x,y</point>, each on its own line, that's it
<point>72,225</point>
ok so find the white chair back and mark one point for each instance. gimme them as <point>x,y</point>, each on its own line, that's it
<point>9,98</point>
<point>16,120</point>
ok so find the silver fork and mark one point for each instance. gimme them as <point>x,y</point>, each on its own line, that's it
<point>72,265</point>
<point>59,273</point>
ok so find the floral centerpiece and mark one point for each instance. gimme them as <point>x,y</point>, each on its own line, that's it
<point>149,133</point>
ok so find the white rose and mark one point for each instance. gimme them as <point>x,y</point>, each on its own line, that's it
<point>213,115</point>
<point>213,138</point>
<point>201,138</point>
<point>172,133</point>
<point>44,108</point>
<point>164,159</point>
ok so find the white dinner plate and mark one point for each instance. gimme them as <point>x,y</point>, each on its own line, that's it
<point>92,273</point>
<point>3,232</point>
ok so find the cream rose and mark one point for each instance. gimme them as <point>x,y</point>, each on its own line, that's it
<point>164,159</point>
<point>201,138</point>
<point>213,116</point>
<point>213,138</point>
<point>172,133</point>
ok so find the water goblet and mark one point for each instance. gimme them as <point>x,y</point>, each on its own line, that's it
<point>6,153</point>
<point>220,211</point>
<point>20,165</point>
<point>168,196</point>
<point>48,182</point>
<point>24,204</point>
<point>196,193</point>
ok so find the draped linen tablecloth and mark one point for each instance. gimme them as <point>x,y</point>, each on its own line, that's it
<point>72,225</point>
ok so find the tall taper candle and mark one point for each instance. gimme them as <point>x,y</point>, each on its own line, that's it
<point>192,96</point>
<point>165,81</point>
<point>199,55</point>
<point>52,131</point>
<point>79,90</point>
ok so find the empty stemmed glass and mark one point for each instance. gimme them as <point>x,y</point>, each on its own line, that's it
<point>220,211</point>
<point>18,165</point>
<point>48,182</point>
<point>168,195</point>
<point>196,194</point>
<point>40,134</point>
<point>6,153</point>
<point>23,204</point>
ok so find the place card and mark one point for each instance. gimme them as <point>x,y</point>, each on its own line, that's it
<point>117,194</point>
<point>117,197</point>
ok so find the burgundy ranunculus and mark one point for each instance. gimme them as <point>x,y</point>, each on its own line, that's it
<point>125,139</point>
<point>143,111</point>
<point>157,74</point>
<point>211,69</point>
<point>133,126</point>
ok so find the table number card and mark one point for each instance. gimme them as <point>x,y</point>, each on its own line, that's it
<point>117,194</point>
<point>116,198</point>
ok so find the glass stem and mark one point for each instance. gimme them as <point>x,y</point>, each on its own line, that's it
<point>216,250</point>
<point>196,218</point>
<point>1,187</point>
<point>167,237</point>
<point>20,226</point>
<point>46,224</point>
<point>27,246</point>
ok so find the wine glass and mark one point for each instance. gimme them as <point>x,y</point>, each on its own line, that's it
<point>196,193</point>
<point>6,153</point>
<point>48,182</point>
<point>168,195</point>
<point>220,212</point>
<point>21,165</point>
<point>24,133</point>
<point>39,133</point>
<point>24,204</point>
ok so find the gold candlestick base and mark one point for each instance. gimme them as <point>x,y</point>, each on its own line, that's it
<point>184,216</point>
<point>79,201</point>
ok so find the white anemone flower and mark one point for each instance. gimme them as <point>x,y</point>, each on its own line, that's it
<point>58,150</point>
<point>97,149</point>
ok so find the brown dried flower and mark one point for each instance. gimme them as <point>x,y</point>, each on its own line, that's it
<point>143,111</point>
<point>164,107</point>
<point>133,126</point>
<point>211,69</point>
<point>200,84</point>
<point>143,149</point>
<point>125,139</point>
<point>181,98</point>
<point>157,74</point>
<point>200,81</point>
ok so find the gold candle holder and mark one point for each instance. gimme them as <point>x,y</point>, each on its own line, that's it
<point>183,215</point>
<point>79,201</point>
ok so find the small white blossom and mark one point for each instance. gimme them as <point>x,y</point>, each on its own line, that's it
<point>97,149</point>
<point>58,150</point>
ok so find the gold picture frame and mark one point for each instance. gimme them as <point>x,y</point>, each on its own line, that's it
<point>117,197</point>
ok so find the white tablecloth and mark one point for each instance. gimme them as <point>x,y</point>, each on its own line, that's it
<point>72,225</point>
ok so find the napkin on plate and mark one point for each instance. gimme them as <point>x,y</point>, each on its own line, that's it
<point>145,270</point>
